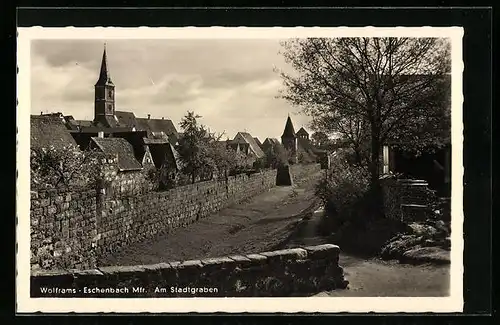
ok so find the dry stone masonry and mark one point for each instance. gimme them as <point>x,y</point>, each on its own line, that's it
<point>291,272</point>
<point>73,228</point>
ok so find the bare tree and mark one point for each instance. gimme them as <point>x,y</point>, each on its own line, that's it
<point>372,90</point>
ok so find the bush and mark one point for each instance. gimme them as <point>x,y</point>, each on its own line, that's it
<point>52,167</point>
<point>344,189</point>
<point>306,157</point>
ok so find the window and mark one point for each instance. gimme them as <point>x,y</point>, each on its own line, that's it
<point>110,94</point>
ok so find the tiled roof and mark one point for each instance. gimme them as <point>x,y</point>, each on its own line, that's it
<point>159,125</point>
<point>270,143</point>
<point>258,141</point>
<point>126,119</point>
<point>120,147</point>
<point>106,121</point>
<point>244,137</point>
<point>165,153</point>
<point>83,123</point>
<point>49,130</point>
<point>302,131</point>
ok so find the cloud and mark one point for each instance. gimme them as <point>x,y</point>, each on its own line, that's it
<point>231,83</point>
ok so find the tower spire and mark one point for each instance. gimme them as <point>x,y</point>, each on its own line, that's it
<point>104,76</point>
<point>289,129</point>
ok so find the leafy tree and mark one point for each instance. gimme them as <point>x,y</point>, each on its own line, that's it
<point>305,157</point>
<point>193,147</point>
<point>276,156</point>
<point>53,167</point>
<point>320,139</point>
<point>204,154</point>
<point>372,90</point>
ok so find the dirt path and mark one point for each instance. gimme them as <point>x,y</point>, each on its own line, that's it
<point>377,278</point>
<point>373,277</point>
<point>271,221</point>
<point>254,226</point>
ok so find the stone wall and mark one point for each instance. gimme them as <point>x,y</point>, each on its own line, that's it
<point>63,228</point>
<point>127,219</point>
<point>116,182</point>
<point>73,228</point>
<point>293,272</point>
<point>406,200</point>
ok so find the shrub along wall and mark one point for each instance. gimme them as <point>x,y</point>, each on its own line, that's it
<point>291,272</point>
<point>72,228</point>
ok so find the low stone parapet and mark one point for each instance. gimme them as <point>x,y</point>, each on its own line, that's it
<point>284,273</point>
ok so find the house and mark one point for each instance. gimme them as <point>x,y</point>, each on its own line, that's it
<point>119,147</point>
<point>50,130</point>
<point>258,142</point>
<point>270,144</point>
<point>166,160</point>
<point>298,144</point>
<point>434,163</point>
<point>245,143</point>
<point>162,127</point>
<point>275,152</point>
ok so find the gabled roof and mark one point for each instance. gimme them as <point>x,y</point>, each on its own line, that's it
<point>49,130</point>
<point>245,137</point>
<point>272,141</point>
<point>106,121</point>
<point>272,144</point>
<point>120,147</point>
<point>289,131</point>
<point>159,125</point>
<point>165,153</point>
<point>126,119</point>
<point>258,141</point>
<point>302,131</point>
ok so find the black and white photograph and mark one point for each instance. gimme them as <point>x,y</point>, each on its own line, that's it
<point>240,169</point>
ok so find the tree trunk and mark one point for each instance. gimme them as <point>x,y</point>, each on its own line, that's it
<point>375,189</point>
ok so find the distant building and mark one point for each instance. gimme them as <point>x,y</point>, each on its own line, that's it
<point>270,144</point>
<point>289,139</point>
<point>127,161</point>
<point>245,143</point>
<point>258,142</point>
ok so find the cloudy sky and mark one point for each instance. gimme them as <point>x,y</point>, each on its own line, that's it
<point>230,83</point>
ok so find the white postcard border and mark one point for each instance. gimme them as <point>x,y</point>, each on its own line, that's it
<point>453,303</point>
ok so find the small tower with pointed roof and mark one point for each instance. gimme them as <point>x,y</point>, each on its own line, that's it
<point>289,139</point>
<point>104,97</point>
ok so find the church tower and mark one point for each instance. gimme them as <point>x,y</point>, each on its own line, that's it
<point>104,97</point>
<point>289,139</point>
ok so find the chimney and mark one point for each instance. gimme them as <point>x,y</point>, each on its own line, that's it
<point>149,116</point>
<point>162,118</point>
<point>100,134</point>
<point>41,113</point>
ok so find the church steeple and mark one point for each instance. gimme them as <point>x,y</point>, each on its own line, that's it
<point>289,139</point>
<point>104,98</point>
<point>289,131</point>
<point>104,76</point>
